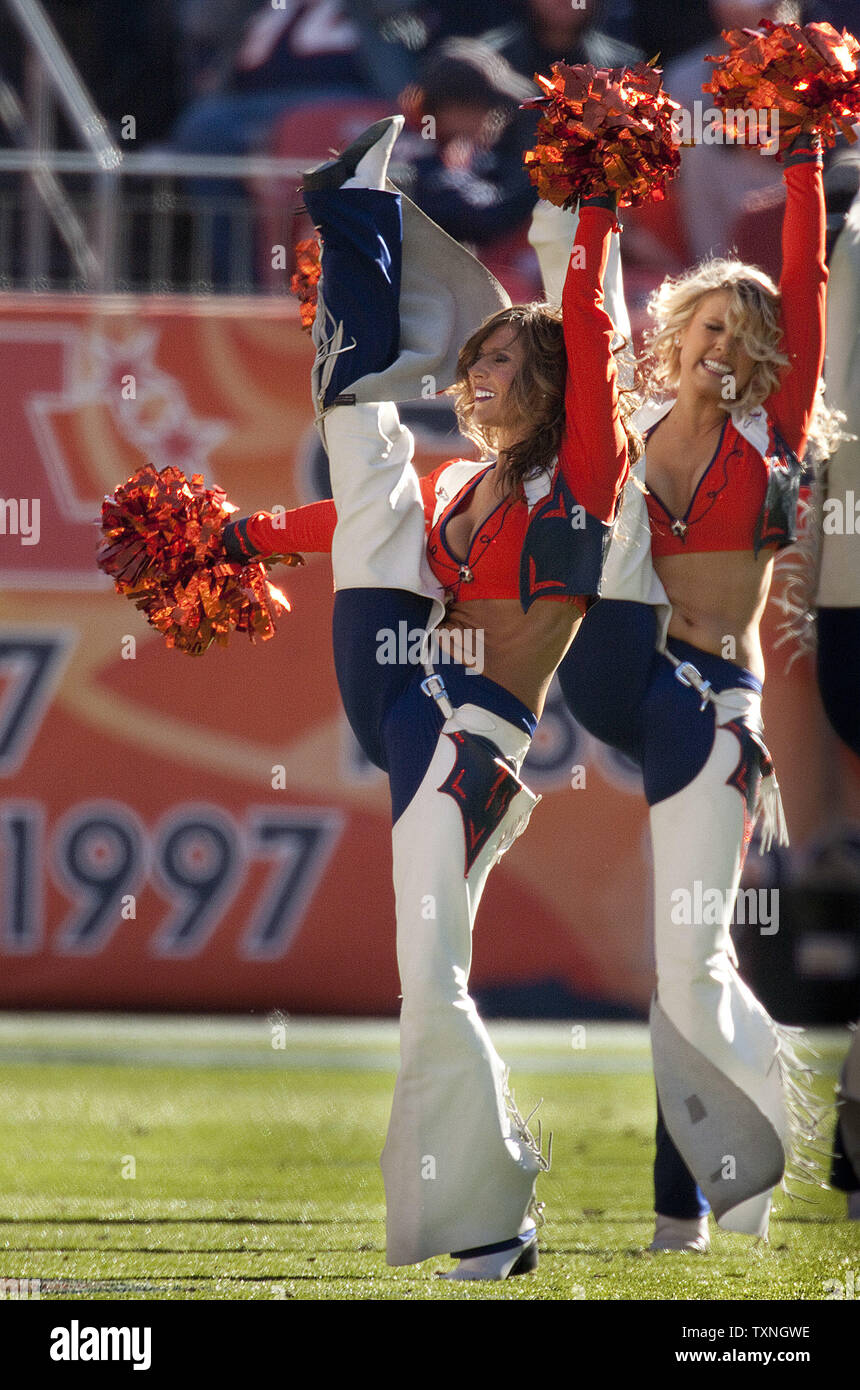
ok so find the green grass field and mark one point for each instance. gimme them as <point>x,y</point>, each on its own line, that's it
<point>192,1159</point>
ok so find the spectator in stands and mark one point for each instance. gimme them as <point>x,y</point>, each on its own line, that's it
<point>468,173</point>
<point>307,51</point>
<point>211,35</point>
<point>116,49</point>
<point>552,30</point>
<point>669,29</point>
<point>397,35</point>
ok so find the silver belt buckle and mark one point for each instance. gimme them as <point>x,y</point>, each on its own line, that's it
<point>691,676</point>
<point>434,686</point>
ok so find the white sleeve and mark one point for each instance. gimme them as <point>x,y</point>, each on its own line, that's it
<point>551,234</point>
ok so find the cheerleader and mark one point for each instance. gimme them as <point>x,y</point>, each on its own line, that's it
<point>508,550</point>
<point>668,667</point>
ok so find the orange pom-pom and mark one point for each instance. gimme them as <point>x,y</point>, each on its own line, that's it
<point>807,73</point>
<point>603,131</point>
<point>306,278</point>
<point>162,544</point>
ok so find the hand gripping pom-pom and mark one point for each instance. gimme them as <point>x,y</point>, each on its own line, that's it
<point>807,73</point>
<point>162,546</point>
<point>603,132</point>
<point>305,280</point>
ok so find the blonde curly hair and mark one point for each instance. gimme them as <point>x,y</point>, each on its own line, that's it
<point>752,318</point>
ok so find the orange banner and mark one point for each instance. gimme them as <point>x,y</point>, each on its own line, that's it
<point>204,833</point>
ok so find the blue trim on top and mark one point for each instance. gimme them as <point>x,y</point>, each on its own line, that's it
<point>656,494</point>
<point>457,504</point>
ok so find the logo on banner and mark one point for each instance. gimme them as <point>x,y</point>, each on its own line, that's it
<point>88,411</point>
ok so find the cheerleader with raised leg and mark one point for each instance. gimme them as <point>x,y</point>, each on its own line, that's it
<point>510,548</point>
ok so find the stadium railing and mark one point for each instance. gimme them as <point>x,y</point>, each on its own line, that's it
<point>101,219</point>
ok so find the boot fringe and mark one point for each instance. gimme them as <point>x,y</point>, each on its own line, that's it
<point>772,814</point>
<point>521,1126</point>
<point>328,340</point>
<point>806,1161</point>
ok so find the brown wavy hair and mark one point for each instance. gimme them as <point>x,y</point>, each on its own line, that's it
<point>536,393</point>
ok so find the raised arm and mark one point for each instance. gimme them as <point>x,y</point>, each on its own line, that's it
<point>552,232</point>
<point>802,285</point>
<point>593,452</point>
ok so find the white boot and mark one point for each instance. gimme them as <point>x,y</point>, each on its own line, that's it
<point>677,1233</point>
<point>363,164</point>
<point>521,1258</point>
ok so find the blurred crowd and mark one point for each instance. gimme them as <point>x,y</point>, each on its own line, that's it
<point>299,77</point>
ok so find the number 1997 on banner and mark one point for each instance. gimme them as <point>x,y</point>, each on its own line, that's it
<point>197,858</point>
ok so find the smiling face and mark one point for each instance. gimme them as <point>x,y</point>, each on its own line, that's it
<point>491,375</point>
<point>509,391</point>
<point>710,354</point>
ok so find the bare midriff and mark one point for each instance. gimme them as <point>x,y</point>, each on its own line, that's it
<point>519,651</point>
<point>718,599</point>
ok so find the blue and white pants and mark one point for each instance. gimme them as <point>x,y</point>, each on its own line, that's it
<point>724,1124</point>
<point>458,1164</point>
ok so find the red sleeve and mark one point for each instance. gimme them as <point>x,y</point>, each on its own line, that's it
<point>593,452</point>
<point>309,530</point>
<point>802,286</point>
<point>303,531</point>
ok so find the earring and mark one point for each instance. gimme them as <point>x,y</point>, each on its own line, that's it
<point>677,340</point>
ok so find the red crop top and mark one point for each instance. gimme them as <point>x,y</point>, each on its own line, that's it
<point>746,497</point>
<point>521,551</point>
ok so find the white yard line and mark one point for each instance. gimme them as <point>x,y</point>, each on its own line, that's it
<point>280,1042</point>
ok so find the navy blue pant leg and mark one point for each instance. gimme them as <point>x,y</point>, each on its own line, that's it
<point>604,678</point>
<point>395,722</point>
<point>839,671</point>
<point>842,1174</point>
<point>362,232</point>
<point>676,1192</point>
<point>678,736</point>
<point>369,687</point>
<point>362,235</point>
<point>619,689</point>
